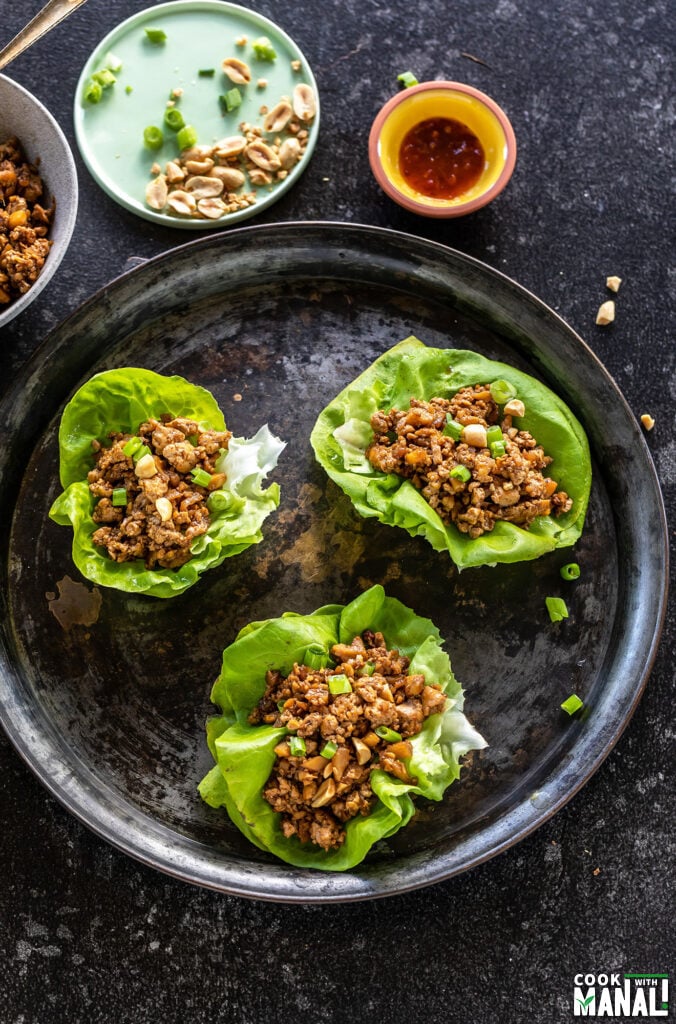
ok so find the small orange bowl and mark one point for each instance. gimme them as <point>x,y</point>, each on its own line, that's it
<point>456,101</point>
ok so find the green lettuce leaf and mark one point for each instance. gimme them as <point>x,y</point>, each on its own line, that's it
<point>411,369</point>
<point>244,753</point>
<point>119,400</point>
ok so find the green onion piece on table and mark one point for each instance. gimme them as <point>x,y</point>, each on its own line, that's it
<point>231,99</point>
<point>315,656</point>
<point>156,35</point>
<point>201,477</point>
<point>173,119</point>
<point>297,746</point>
<point>153,137</point>
<point>407,79</point>
<point>389,735</point>
<point>329,750</point>
<point>105,78</point>
<point>460,473</point>
<point>557,608</point>
<point>92,92</point>
<point>493,434</point>
<point>132,446</point>
<point>186,137</point>
<point>453,428</point>
<point>119,498</point>
<point>129,89</point>
<point>263,49</point>
<point>339,684</point>
<point>502,391</point>
<point>206,72</point>
<point>572,704</point>
<point>571,571</point>
<point>113,62</point>
<point>498,449</point>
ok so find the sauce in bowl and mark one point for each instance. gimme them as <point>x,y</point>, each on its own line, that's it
<point>441,158</point>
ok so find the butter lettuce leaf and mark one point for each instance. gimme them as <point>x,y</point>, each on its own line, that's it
<point>244,753</point>
<point>119,400</point>
<point>342,433</point>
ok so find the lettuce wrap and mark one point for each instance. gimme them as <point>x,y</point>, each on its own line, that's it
<point>119,400</point>
<point>244,753</point>
<point>343,432</point>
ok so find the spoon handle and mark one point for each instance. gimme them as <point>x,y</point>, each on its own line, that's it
<point>51,14</point>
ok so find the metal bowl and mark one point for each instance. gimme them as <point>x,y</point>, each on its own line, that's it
<point>44,143</point>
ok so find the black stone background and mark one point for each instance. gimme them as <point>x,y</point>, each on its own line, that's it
<point>88,935</point>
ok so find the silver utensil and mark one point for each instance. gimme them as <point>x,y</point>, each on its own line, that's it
<point>51,14</point>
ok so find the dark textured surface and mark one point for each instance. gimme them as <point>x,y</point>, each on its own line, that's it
<point>588,88</point>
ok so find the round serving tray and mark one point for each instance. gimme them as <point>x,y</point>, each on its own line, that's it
<point>109,710</point>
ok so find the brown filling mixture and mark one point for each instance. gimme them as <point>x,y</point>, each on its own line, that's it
<point>510,486</point>
<point>24,223</point>
<point>342,736</point>
<point>164,508</point>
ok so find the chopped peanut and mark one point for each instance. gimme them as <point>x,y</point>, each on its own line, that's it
<point>647,421</point>
<point>613,283</point>
<point>606,313</point>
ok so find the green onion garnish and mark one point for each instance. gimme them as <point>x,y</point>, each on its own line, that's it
<point>92,92</point>
<point>315,656</point>
<point>368,669</point>
<point>129,89</point>
<point>453,428</point>
<point>105,78</point>
<point>572,704</point>
<point>153,137</point>
<point>173,119</point>
<point>132,445</point>
<point>570,571</point>
<point>297,746</point>
<point>389,735</point>
<point>119,496</point>
<point>156,35</point>
<point>460,473</point>
<point>187,137</point>
<point>231,99</point>
<point>502,391</point>
<point>200,477</point>
<point>263,49</point>
<point>498,449</point>
<point>493,433</point>
<point>280,705</point>
<point>329,750</point>
<point>339,684</point>
<point>407,78</point>
<point>140,452</point>
<point>557,608</point>
<point>206,72</point>
<point>113,62</point>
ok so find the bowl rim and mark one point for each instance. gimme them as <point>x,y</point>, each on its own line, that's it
<point>427,210</point>
<point>68,209</point>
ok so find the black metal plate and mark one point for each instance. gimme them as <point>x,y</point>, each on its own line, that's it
<point>110,716</point>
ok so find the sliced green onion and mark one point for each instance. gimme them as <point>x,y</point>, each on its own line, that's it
<point>119,496</point>
<point>201,477</point>
<point>173,119</point>
<point>407,79</point>
<point>140,452</point>
<point>92,92</point>
<point>315,656</point>
<point>105,78</point>
<point>498,449</point>
<point>206,72</point>
<point>389,735</point>
<point>231,99</point>
<point>129,89</point>
<point>280,705</point>
<point>339,684</point>
<point>493,433</point>
<point>570,571</point>
<point>557,608</point>
<point>156,35</point>
<point>113,62</point>
<point>297,746</point>
<point>460,473</point>
<point>368,669</point>
<point>572,704</point>
<point>263,49</point>
<point>502,391</point>
<point>153,137</point>
<point>132,445</point>
<point>187,137</point>
<point>329,750</point>
<point>453,428</point>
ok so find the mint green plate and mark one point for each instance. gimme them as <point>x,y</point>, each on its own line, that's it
<point>200,34</point>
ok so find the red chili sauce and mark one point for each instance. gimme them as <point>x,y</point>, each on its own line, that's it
<point>441,158</point>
